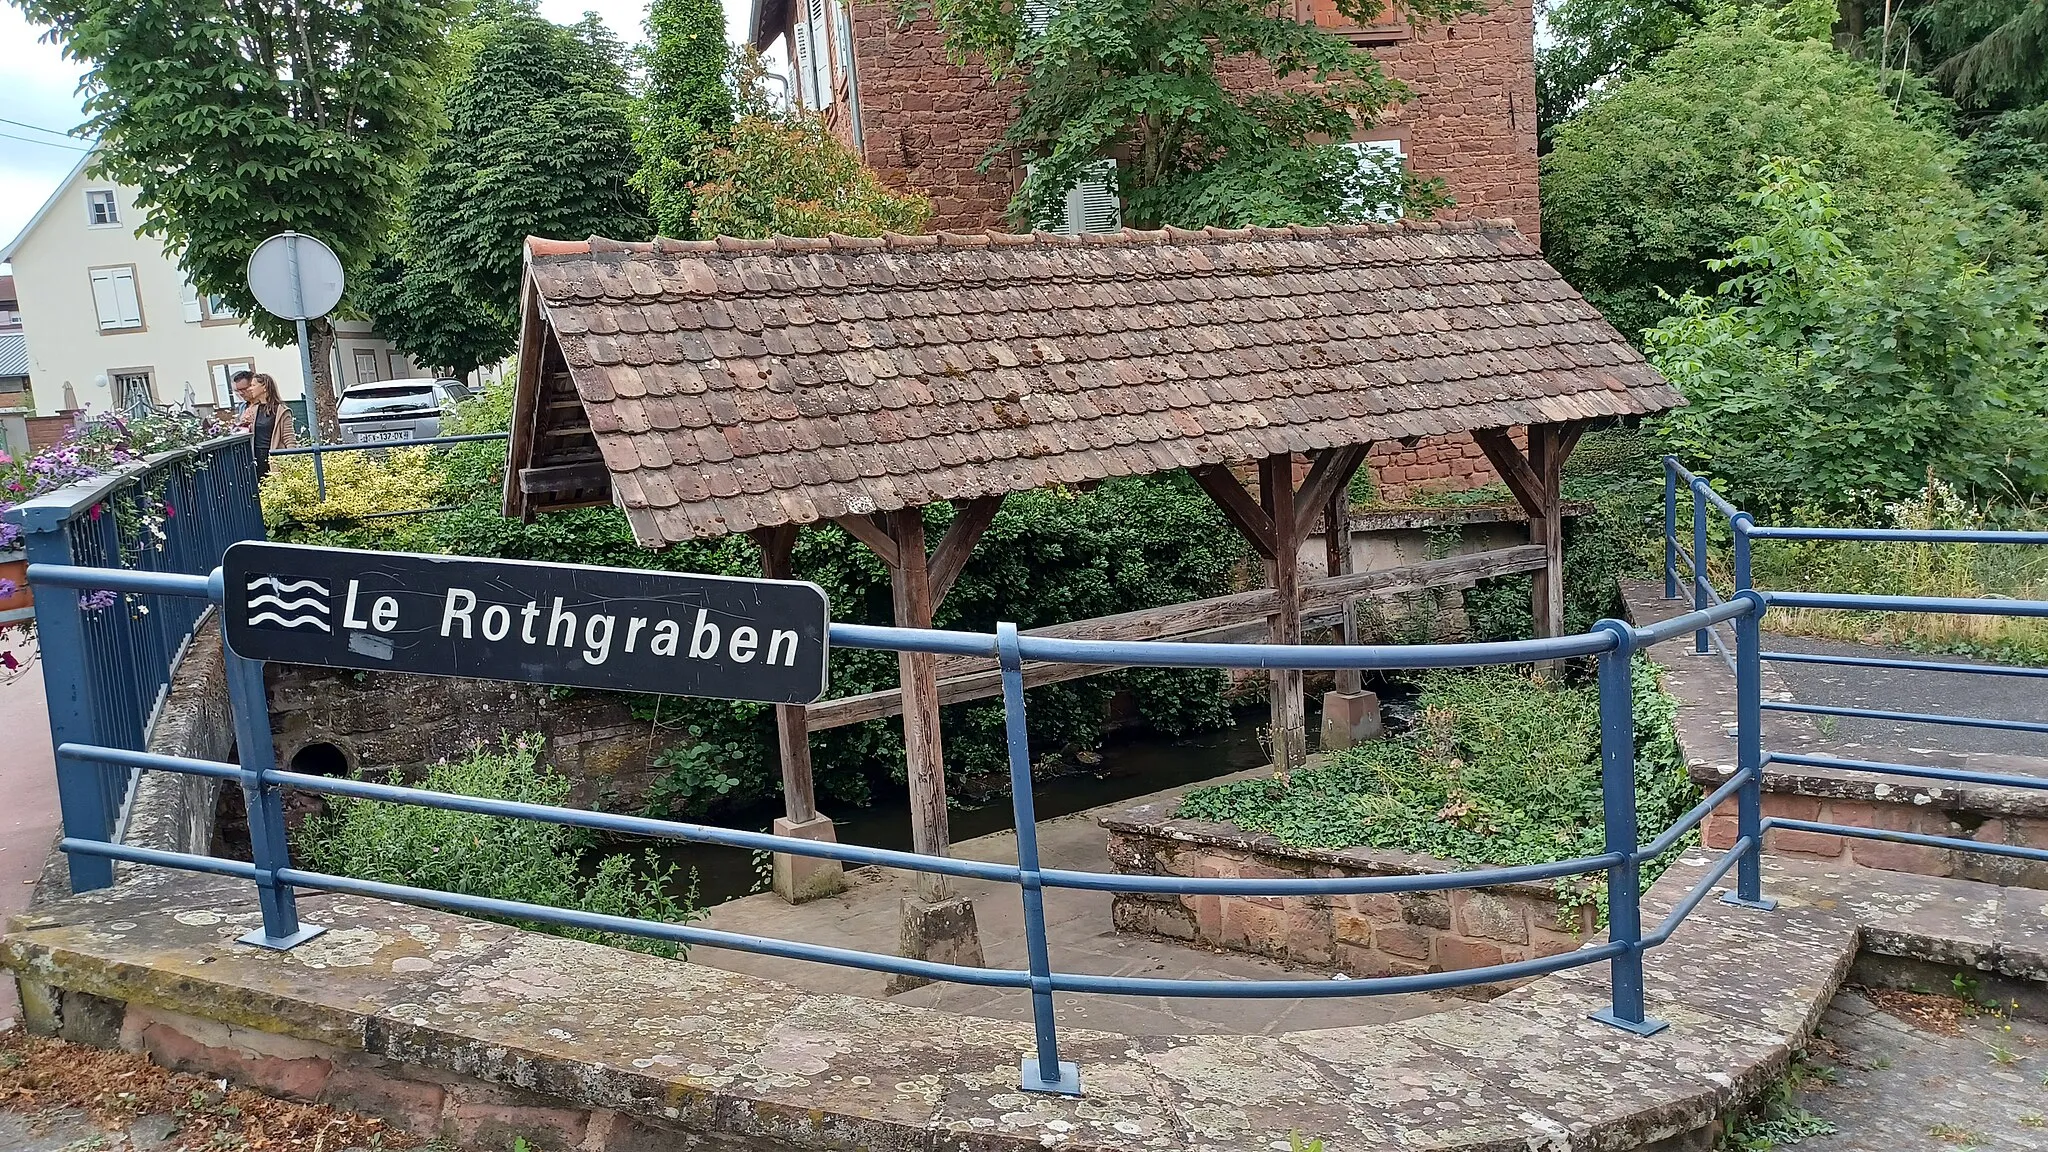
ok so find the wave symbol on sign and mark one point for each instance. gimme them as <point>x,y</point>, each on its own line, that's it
<point>289,603</point>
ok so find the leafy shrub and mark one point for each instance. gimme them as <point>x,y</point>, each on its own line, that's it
<point>1500,769</point>
<point>359,485</point>
<point>1834,379</point>
<point>1645,183</point>
<point>473,855</point>
<point>792,177</point>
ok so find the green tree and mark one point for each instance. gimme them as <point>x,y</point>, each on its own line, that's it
<point>1593,41</point>
<point>791,177</point>
<point>1217,111</point>
<point>1828,378</point>
<point>538,142</point>
<point>234,121</point>
<point>686,109</point>
<point>1645,183</point>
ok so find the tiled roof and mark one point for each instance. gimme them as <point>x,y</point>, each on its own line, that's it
<point>735,384</point>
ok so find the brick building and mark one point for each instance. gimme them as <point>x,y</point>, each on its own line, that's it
<point>924,123</point>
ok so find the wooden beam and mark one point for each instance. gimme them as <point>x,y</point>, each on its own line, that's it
<point>865,530</point>
<point>526,387</point>
<point>1513,467</point>
<point>792,731</point>
<point>1237,617</point>
<point>1546,593</point>
<point>911,593</point>
<point>558,478</point>
<point>1330,474</point>
<point>1289,711</point>
<point>1568,438</point>
<point>950,557</point>
<point>1243,512</point>
<point>1337,561</point>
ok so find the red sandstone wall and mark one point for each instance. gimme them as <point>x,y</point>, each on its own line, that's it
<point>1471,120</point>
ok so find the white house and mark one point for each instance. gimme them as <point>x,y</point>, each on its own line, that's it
<point>112,322</point>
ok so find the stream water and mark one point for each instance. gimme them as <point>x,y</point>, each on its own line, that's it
<point>1129,768</point>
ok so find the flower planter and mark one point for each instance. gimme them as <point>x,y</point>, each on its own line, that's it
<point>14,567</point>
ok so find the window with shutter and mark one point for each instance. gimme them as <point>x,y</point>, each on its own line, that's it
<point>1091,204</point>
<point>1379,154</point>
<point>821,54</point>
<point>113,296</point>
<point>1391,27</point>
<point>100,209</point>
<point>1038,14</point>
<point>800,38</point>
<point>188,298</point>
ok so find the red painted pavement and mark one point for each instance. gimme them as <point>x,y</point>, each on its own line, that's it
<point>28,801</point>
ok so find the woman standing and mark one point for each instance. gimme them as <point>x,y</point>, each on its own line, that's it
<point>265,417</point>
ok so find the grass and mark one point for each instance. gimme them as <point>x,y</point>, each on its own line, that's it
<point>1897,569</point>
<point>1500,769</point>
<point>1776,1119</point>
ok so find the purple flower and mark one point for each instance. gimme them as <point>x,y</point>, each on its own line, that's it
<point>94,601</point>
<point>8,588</point>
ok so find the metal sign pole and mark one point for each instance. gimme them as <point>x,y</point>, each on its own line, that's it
<point>291,249</point>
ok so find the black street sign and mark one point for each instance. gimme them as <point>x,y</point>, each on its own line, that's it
<point>615,628</point>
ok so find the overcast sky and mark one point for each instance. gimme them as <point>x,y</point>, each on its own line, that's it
<point>42,100</point>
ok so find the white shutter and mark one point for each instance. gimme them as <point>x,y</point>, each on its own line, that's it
<point>1096,207</point>
<point>1375,151</point>
<point>801,37</point>
<point>188,297</point>
<point>1038,14</point>
<point>104,301</point>
<point>821,56</point>
<point>124,293</point>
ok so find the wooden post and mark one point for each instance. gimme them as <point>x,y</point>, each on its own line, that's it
<point>792,733</point>
<point>911,592</point>
<point>1546,594</point>
<point>797,878</point>
<point>1337,562</point>
<point>1283,572</point>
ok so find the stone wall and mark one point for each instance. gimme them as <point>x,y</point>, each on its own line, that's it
<point>384,720</point>
<point>1953,816</point>
<point>173,812</point>
<point>927,123</point>
<point>1370,935</point>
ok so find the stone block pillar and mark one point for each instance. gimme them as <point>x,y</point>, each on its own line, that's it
<point>1350,719</point>
<point>801,878</point>
<point>943,932</point>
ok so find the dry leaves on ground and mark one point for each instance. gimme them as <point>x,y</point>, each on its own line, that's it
<point>39,1075</point>
<point>1939,1014</point>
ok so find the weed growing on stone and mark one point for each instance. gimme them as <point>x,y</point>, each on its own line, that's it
<point>523,860</point>
<point>1501,768</point>
<point>2003,1055</point>
<point>2033,1120</point>
<point>1294,1141</point>
<point>1776,1119</point>
<point>1957,1134</point>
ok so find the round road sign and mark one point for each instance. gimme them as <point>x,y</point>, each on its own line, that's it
<point>295,276</point>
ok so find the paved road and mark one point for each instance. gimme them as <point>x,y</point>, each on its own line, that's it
<point>1948,693</point>
<point>28,812</point>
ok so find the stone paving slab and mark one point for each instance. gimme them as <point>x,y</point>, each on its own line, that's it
<point>723,1051</point>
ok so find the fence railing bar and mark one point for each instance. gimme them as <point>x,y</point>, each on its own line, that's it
<point>2016,851</point>
<point>1910,771</point>
<point>1332,987</point>
<point>1990,723</point>
<point>1952,605</point>
<point>387,445</point>
<point>1691,819</point>
<point>658,930</point>
<point>1697,893</point>
<point>184,861</point>
<point>1903,535</point>
<point>1664,630</point>
<point>1906,665</point>
<point>117,580</point>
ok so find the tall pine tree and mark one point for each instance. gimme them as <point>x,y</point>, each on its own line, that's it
<point>538,142</point>
<point>688,107</point>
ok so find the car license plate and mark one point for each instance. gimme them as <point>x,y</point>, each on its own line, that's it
<point>383,437</point>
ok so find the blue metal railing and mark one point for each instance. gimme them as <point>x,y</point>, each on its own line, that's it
<point>1749,655</point>
<point>1612,644</point>
<point>109,646</point>
<point>320,452</point>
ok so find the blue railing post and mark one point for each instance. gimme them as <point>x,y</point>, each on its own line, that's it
<point>1043,1071</point>
<point>1618,806</point>
<point>320,475</point>
<point>267,849</point>
<point>67,686</point>
<point>1749,743</point>
<point>1670,528</point>
<point>1701,599</point>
